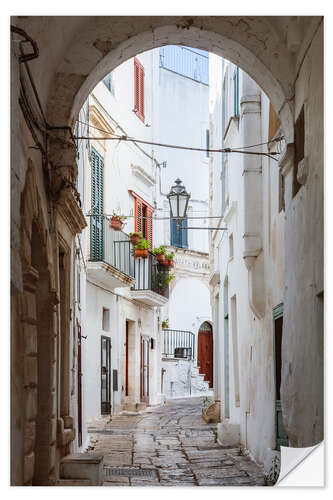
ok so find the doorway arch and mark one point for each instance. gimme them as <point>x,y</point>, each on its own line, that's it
<point>205,351</point>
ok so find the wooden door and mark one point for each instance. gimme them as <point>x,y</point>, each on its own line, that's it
<point>144,370</point>
<point>79,384</point>
<point>205,352</point>
<point>281,434</point>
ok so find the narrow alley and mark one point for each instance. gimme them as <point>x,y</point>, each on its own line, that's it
<point>169,446</point>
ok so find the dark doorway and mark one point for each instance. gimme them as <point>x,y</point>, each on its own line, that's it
<point>205,352</point>
<point>281,434</point>
<point>144,370</point>
<point>105,376</point>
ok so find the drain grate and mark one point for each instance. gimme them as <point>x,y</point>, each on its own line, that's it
<point>117,471</point>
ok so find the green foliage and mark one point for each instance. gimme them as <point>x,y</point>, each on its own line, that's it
<point>116,216</point>
<point>170,256</point>
<point>162,280</point>
<point>143,244</point>
<point>160,250</point>
<point>274,471</point>
<point>165,323</point>
<point>136,234</point>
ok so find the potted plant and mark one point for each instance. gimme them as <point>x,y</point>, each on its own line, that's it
<point>116,221</point>
<point>160,253</point>
<point>169,259</point>
<point>135,238</point>
<point>141,249</point>
<point>165,324</point>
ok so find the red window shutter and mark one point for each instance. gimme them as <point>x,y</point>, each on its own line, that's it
<point>149,226</point>
<point>142,93</point>
<point>136,87</point>
<point>139,96</point>
<point>138,215</point>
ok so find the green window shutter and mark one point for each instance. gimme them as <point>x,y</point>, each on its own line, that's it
<point>97,207</point>
<point>236,92</point>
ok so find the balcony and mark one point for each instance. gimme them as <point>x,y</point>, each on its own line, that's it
<point>111,263</point>
<point>151,286</point>
<point>178,344</point>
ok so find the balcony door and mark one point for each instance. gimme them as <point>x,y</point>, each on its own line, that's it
<point>144,369</point>
<point>105,375</point>
<point>97,207</point>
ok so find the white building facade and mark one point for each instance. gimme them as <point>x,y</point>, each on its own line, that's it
<point>247,263</point>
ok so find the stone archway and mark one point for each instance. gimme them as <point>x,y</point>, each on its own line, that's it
<point>90,47</point>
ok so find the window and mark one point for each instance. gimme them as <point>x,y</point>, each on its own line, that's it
<point>207,143</point>
<point>109,82</point>
<point>231,246</point>
<point>299,148</point>
<point>139,95</point>
<point>178,237</point>
<point>143,214</point>
<point>236,92</point>
<point>106,320</point>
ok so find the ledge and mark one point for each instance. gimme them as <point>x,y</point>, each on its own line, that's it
<point>104,274</point>
<point>149,297</point>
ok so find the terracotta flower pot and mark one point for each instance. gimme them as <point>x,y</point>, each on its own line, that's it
<point>141,253</point>
<point>135,239</point>
<point>160,258</point>
<point>171,263</point>
<point>116,224</point>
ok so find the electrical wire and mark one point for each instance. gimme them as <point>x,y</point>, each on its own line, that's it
<point>223,150</point>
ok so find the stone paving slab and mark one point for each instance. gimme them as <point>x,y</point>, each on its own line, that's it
<point>175,443</point>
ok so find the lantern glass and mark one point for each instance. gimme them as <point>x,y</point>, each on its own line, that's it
<point>182,205</point>
<point>178,200</point>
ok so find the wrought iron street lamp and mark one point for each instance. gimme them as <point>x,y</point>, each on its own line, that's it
<point>178,200</point>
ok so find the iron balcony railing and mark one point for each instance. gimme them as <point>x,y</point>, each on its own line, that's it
<point>114,248</point>
<point>150,275</point>
<point>111,246</point>
<point>193,63</point>
<point>178,344</point>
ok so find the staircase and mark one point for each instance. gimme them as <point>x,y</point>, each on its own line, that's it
<point>199,386</point>
<point>182,379</point>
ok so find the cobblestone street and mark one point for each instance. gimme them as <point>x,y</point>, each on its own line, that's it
<point>169,445</point>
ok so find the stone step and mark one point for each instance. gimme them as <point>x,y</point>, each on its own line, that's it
<point>73,482</point>
<point>83,466</point>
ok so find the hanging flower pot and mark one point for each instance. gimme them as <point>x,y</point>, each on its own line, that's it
<point>161,258</point>
<point>116,223</point>
<point>143,253</point>
<point>135,238</point>
<point>169,259</point>
<point>141,250</point>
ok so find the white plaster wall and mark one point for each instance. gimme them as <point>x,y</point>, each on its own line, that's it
<point>254,351</point>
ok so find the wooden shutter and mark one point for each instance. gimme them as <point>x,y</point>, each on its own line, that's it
<point>138,215</point>
<point>179,236</point>
<point>149,225</point>
<point>97,207</point>
<point>139,95</point>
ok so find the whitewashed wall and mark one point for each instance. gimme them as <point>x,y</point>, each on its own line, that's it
<point>251,387</point>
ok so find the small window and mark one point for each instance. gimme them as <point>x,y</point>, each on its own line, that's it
<point>231,246</point>
<point>207,143</point>
<point>109,83</point>
<point>106,320</point>
<point>299,148</point>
